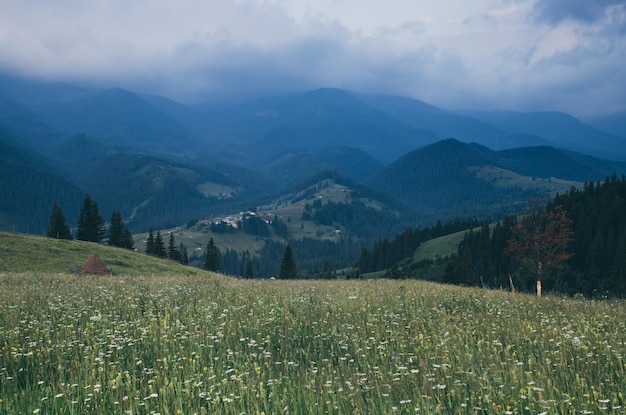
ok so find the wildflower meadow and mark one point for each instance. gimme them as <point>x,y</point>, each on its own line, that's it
<point>213,345</point>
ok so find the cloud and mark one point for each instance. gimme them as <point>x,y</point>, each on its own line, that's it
<point>586,11</point>
<point>502,54</point>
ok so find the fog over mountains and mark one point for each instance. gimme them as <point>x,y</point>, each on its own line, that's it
<point>161,162</point>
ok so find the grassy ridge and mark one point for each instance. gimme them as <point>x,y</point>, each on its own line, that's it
<point>22,253</point>
<point>175,345</point>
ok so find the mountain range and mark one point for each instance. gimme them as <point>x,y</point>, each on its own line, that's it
<point>163,163</point>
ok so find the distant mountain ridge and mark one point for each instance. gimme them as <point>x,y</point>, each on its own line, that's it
<point>451,179</point>
<point>560,130</point>
<point>252,133</point>
<point>162,162</point>
<point>28,187</point>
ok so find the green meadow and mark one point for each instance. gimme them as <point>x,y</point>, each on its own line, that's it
<point>207,344</point>
<point>156,337</point>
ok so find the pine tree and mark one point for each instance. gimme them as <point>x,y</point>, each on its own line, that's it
<point>329,272</point>
<point>249,272</point>
<point>159,246</point>
<point>91,226</point>
<point>212,257</point>
<point>119,235</point>
<point>128,241</point>
<point>172,252</point>
<point>150,243</point>
<point>184,258</point>
<point>58,227</point>
<point>288,266</point>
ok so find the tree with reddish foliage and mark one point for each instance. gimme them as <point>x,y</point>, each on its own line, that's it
<point>541,242</point>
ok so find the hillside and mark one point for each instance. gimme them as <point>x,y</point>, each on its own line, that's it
<point>120,117</point>
<point>452,179</point>
<point>29,187</point>
<point>444,124</point>
<point>164,164</point>
<point>316,120</point>
<point>325,221</point>
<point>32,254</point>
<point>560,130</point>
<point>25,126</point>
<point>295,165</point>
<point>252,133</point>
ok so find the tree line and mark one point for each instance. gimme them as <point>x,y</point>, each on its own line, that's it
<point>385,253</point>
<point>362,220</point>
<point>91,226</point>
<point>288,267</point>
<point>156,246</point>
<point>575,244</point>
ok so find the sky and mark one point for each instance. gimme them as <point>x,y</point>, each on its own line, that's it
<point>524,55</point>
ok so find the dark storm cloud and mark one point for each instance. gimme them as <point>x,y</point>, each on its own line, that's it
<point>502,54</point>
<point>239,72</point>
<point>587,11</point>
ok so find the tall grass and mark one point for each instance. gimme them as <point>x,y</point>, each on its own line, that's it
<point>183,345</point>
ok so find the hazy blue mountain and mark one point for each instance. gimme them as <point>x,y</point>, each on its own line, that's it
<point>383,125</point>
<point>316,120</point>
<point>161,162</point>
<point>614,124</point>
<point>560,130</point>
<point>253,133</point>
<point>25,125</point>
<point>454,179</point>
<point>296,164</point>
<point>436,180</point>
<point>605,168</point>
<point>121,117</point>
<point>545,162</point>
<point>151,191</point>
<point>28,189</point>
<point>444,124</point>
<point>75,154</point>
<point>33,93</point>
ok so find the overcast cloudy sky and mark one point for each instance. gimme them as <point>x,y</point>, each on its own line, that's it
<point>567,55</point>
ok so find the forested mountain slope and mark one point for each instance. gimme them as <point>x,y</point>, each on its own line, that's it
<point>28,188</point>
<point>597,266</point>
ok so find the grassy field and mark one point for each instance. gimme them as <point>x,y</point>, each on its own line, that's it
<point>160,338</point>
<point>24,253</point>
<point>439,247</point>
<point>505,178</point>
<point>209,344</point>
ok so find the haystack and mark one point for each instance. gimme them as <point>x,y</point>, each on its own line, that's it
<point>94,265</point>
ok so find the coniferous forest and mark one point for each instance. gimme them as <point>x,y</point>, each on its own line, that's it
<point>597,254</point>
<point>594,257</point>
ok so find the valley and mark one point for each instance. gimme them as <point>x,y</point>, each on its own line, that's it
<point>313,207</point>
<point>328,171</point>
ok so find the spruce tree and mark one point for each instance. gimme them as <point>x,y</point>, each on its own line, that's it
<point>150,243</point>
<point>184,258</point>
<point>159,246</point>
<point>288,266</point>
<point>58,228</point>
<point>249,272</point>
<point>116,229</point>
<point>119,235</point>
<point>212,257</point>
<point>172,251</point>
<point>91,226</point>
<point>128,241</point>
